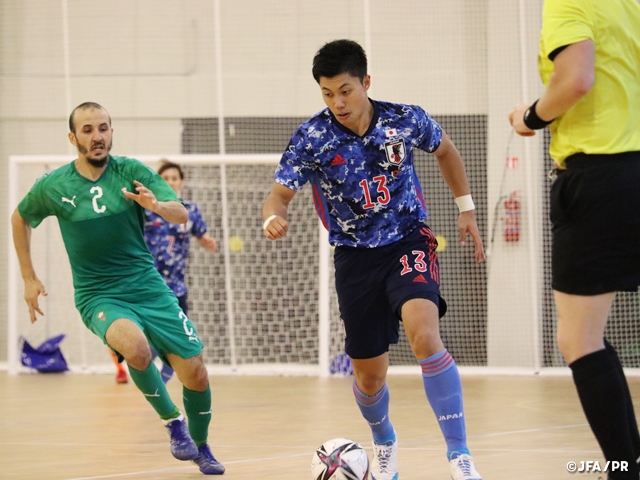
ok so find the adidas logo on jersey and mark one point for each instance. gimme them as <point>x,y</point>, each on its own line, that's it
<point>420,279</point>
<point>338,160</point>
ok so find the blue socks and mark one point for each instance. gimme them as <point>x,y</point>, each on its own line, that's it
<point>375,410</point>
<point>444,392</point>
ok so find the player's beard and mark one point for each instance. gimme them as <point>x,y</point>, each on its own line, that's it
<point>99,162</point>
<point>96,162</point>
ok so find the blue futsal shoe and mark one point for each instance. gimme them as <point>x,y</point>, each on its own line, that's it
<point>182,446</point>
<point>207,462</point>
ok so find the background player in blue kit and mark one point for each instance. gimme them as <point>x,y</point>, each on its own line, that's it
<point>169,242</point>
<point>357,154</point>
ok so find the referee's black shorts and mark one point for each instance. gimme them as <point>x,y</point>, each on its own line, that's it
<point>595,213</point>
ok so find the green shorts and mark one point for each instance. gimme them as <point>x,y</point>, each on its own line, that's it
<point>160,318</point>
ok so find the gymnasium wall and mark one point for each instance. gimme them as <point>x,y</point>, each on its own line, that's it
<point>156,65</point>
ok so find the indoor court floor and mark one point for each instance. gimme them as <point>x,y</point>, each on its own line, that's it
<point>66,426</point>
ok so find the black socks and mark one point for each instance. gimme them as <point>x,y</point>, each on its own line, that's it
<point>606,402</point>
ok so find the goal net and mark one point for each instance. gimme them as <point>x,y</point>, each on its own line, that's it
<point>219,87</point>
<point>259,306</point>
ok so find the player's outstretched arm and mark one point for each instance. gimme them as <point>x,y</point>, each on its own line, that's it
<point>274,212</point>
<point>208,242</point>
<point>171,211</point>
<point>33,287</point>
<point>452,170</point>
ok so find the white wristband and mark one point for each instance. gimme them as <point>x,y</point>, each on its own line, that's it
<point>465,203</point>
<point>266,222</point>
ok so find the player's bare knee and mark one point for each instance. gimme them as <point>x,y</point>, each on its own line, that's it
<point>138,356</point>
<point>191,372</point>
<point>202,378</point>
<point>370,383</point>
<point>196,378</point>
<point>426,342</point>
<point>425,338</point>
<point>567,346</point>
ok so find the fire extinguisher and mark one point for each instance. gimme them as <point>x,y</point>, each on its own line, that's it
<point>512,218</point>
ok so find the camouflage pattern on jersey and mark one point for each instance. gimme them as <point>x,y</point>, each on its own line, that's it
<point>169,244</point>
<point>365,189</point>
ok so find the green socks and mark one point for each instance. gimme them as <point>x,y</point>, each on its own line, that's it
<point>197,406</point>
<point>154,390</point>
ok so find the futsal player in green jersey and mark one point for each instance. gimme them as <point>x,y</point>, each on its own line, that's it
<point>99,201</point>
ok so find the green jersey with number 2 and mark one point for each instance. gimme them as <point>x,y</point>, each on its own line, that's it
<point>101,228</point>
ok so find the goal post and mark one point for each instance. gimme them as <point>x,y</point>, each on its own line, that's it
<point>244,301</point>
<point>264,307</point>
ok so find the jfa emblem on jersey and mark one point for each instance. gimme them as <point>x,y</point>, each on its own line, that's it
<point>396,151</point>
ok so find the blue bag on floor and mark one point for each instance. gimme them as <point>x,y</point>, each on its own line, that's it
<point>46,358</point>
<point>341,365</point>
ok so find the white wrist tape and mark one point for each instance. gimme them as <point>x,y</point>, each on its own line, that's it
<point>267,221</point>
<point>465,203</point>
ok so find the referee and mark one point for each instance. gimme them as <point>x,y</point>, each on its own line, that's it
<point>590,64</point>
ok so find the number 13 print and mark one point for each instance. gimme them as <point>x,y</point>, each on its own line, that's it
<point>382,189</point>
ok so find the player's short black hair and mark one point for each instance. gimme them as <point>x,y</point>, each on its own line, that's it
<point>338,57</point>
<point>85,106</point>
<point>166,165</point>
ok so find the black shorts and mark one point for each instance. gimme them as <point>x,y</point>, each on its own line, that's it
<point>373,284</point>
<point>595,212</point>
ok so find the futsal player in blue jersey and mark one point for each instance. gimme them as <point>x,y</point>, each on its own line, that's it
<point>169,242</point>
<point>357,155</point>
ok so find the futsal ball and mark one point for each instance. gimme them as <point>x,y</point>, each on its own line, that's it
<point>236,244</point>
<point>442,243</point>
<point>340,459</point>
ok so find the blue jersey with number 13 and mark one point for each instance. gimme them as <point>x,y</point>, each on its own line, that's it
<point>365,188</point>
